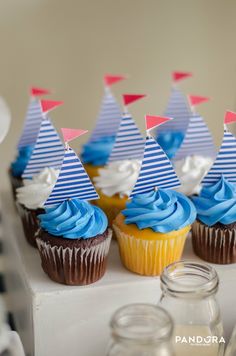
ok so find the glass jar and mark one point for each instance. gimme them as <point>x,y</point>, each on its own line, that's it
<point>189,295</point>
<point>141,330</point>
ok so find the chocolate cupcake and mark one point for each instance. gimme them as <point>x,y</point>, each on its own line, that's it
<point>74,242</point>
<point>214,232</point>
<point>31,198</point>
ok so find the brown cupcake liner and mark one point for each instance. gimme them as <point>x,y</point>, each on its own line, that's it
<point>214,244</point>
<point>72,262</point>
<point>16,182</point>
<point>30,223</point>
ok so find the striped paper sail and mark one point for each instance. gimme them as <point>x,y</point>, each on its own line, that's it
<point>72,182</point>
<point>156,170</point>
<point>48,150</point>
<point>32,124</point>
<point>225,162</point>
<point>178,108</point>
<point>197,141</point>
<point>109,118</point>
<point>129,143</point>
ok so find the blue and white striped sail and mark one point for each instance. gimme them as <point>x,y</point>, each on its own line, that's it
<point>129,143</point>
<point>32,124</point>
<point>225,162</point>
<point>72,182</point>
<point>48,150</point>
<point>156,170</point>
<point>109,118</point>
<point>179,109</point>
<point>197,141</point>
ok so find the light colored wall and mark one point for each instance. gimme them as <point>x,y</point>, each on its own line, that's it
<point>68,45</point>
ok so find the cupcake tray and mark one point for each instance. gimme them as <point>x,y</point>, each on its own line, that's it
<point>54,319</point>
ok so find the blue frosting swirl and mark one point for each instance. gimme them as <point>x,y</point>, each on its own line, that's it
<point>161,210</point>
<point>23,156</point>
<point>170,141</point>
<point>74,219</point>
<point>217,203</point>
<point>98,152</point>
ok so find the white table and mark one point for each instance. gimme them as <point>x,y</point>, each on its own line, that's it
<point>54,319</point>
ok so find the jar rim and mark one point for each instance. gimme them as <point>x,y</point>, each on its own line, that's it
<point>189,278</point>
<point>144,323</point>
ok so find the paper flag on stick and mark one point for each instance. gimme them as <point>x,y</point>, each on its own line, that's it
<point>180,75</point>
<point>154,121</point>
<point>71,134</point>
<point>196,100</point>
<point>230,117</point>
<point>48,105</point>
<point>112,79</point>
<point>130,98</point>
<point>39,91</point>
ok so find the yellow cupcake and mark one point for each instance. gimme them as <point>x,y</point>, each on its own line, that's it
<point>92,170</point>
<point>147,252</point>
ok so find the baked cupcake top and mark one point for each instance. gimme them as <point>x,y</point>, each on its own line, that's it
<point>217,203</point>
<point>35,191</point>
<point>23,156</point>
<point>162,211</point>
<point>74,219</point>
<point>118,177</point>
<point>97,152</point>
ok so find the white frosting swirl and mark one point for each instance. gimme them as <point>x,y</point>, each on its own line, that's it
<point>118,177</point>
<point>191,171</point>
<point>35,191</point>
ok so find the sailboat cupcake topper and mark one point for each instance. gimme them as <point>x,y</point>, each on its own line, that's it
<point>156,169</point>
<point>177,107</point>
<point>33,118</point>
<point>225,162</point>
<point>73,181</point>
<point>129,143</point>
<point>110,115</point>
<point>48,150</point>
<point>198,139</point>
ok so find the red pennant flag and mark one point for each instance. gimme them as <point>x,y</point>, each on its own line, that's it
<point>230,117</point>
<point>48,105</point>
<point>196,100</point>
<point>130,98</point>
<point>176,76</point>
<point>112,79</point>
<point>154,121</point>
<point>39,91</point>
<point>71,134</point>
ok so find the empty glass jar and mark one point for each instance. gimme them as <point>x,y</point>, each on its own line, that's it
<point>189,295</point>
<point>141,330</point>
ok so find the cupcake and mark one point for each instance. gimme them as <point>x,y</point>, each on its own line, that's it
<point>31,198</point>
<point>152,230</point>
<point>74,238</point>
<point>114,185</point>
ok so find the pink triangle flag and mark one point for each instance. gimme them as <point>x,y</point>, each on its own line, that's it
<point>48,105</point>
<point>35,91</point>
<point>112,79</point>
<point>230,117</point>
<point>71,134</point>
<point>130,98</point>
<point>196,100</point>
<point>176,76</point>
<point>154,121</point>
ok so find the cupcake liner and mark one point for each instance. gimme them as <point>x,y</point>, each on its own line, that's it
<point>75,265</point>
<point>30,223</point>
<point>111,206</point>
<point>149,257</point>
<point>212,244</point>
<point>16,182</point>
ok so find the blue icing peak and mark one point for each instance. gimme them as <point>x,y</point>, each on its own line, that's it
<point>162,211</point>
<point>74,219</point>
<point>20,163</point>
<point>217,203</point>
<point>97,152</point>
<point>170,141</point>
